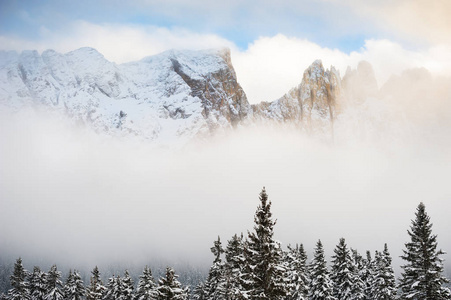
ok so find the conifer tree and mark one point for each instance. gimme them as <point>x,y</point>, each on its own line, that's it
<point>367,276</point>
<point>245,277</point>
<point>54,285</point>
<point>113,289</point>
<point>147,288</point>
<point>69,285</point>
<point>37,284</point>
<point>342,270</point>
<point>320,287</point>
<point>74,288</point>
<point>127,287</point>
<point>215,274</point>
<point>169,288</point>
<point>96,289</point>
<point>230,284</point>
<point>358,288</point>
<point>265,256</point>
<point>384,286</point>
<point>199,293</point>
<point>422,274</point>
<point>296,260</point>
<point>19,290</point>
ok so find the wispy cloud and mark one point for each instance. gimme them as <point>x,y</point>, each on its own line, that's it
<point>418,21</point>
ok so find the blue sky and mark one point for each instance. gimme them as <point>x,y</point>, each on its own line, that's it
<point>326,23</point>
<point>272,42</point>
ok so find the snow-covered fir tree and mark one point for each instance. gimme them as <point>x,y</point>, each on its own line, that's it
<point>37,284</point>
<point>199,292</point>
<point>147,288</point>
<point>214,278</point>
<point>297,274</point>
<point>245,278</point>
<point>68,285</point>
<point>74,288</point>
<point>342,272</point>
<point>54,285</point>
<point>20,289</point>
<point>127,287</point>
<point>367,275</point>
<point>320,286</point>
<point>358,288</point>
<point>169,288</point>
<point>422,277</point>
<point>230,284</point>
<point>384,285</point>
<point>113,289</point>
<point>96,289</point>
<point>264,256</point>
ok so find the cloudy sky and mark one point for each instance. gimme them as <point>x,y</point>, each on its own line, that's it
<point>272,42</point>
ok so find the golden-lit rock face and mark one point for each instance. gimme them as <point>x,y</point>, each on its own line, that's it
<point>311,105</point>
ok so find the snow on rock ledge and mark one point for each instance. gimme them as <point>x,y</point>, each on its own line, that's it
<point>176,95</point>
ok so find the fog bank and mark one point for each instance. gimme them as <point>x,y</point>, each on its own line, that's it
<point>70,196</point>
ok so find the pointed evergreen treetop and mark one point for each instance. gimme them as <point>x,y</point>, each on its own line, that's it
<point>320,287</point>
<point>263,217</point>
<point>54,287</point>
<point>384,285</point>
<point>96,288</point>
<point>169,288</point>
<point>147,288</point>
<point>19,285</point>
<point>342,273</point>
<point>217,250</point>
<point>127,287</point>
<point>422,274</point>
<point>264,256</point>
<point>37,284</point>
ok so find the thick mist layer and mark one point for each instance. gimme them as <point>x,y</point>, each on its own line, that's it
<point>72,197</point>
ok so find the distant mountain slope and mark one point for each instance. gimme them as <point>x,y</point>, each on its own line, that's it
<point>174,95</point>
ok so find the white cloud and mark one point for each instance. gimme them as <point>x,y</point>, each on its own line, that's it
<point>117,43</point>
<point>271,66</point>
<point>416,20</point>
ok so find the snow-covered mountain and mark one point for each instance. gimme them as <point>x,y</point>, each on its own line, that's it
<point>174,95</point>
<point>178,96</point>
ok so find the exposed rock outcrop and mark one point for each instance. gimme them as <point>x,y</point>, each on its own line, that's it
<point>311,105</point>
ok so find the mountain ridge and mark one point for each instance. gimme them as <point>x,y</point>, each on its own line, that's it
<point>174,95</point>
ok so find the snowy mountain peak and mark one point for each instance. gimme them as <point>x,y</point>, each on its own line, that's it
<point>176,95</point>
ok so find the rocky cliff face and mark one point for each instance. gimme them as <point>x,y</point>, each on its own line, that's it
<point>311,105</point>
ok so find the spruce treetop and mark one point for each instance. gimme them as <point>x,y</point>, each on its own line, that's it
<point>422,274</point>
